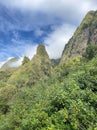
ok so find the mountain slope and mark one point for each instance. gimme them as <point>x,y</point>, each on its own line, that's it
<point>38,97</point>
<point>38,69</point>
<point>67,103</point>
<point>85,35</point>
<point>11,64</point>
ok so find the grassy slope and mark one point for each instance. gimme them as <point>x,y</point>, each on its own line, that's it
<point>67,101</point>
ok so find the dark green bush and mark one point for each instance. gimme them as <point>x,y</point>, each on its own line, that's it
<point>91,51</point>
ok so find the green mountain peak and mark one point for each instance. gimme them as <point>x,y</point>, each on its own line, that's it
<point>41,50</point>
<point>38,69</point>
<point>37,96</point>
<point>85,34</point>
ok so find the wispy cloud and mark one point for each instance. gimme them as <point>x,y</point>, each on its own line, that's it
<point>17,49</point>
<point>56,41</point>
<point>63,9</point>
<point>16,64</point>
<point>35,15</point>
<point>1,63</point>
<point>11,64</point>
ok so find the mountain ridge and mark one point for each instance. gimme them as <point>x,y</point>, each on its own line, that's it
<point>41,96</point>
<point>84,35</point>
<point>39,68</point>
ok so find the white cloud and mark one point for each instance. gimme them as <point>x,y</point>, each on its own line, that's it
<point>38,32</point>
<point>70,9</point>
<point>18,49</point>
<point>30,50</point>
<point>56,41</point>
<point>1,63</point>
<point>21,48</point>
<point>12,63</point>
<point>16,63</point>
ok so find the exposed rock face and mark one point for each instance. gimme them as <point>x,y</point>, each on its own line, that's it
<point>85,35</point>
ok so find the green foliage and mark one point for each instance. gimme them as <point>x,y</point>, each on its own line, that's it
<point>66,100</point>
<point>85,23</point>
<point>91,51</point>
<point>41,51</point>
<point>6,95</point>
<point>25,60</point>
<point>4,76</point>
<point>38,69</point>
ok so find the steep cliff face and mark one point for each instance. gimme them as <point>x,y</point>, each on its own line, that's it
<point>85,35</point>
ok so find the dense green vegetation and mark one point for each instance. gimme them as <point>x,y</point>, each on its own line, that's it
<point>66,100</point>
<point>87,21</point>
<point>91,51</point>
<point>25,60</point>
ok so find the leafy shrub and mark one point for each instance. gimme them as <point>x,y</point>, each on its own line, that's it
<point>91,51</point>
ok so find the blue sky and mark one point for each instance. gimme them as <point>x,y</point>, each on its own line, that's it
<point>26,23</point>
